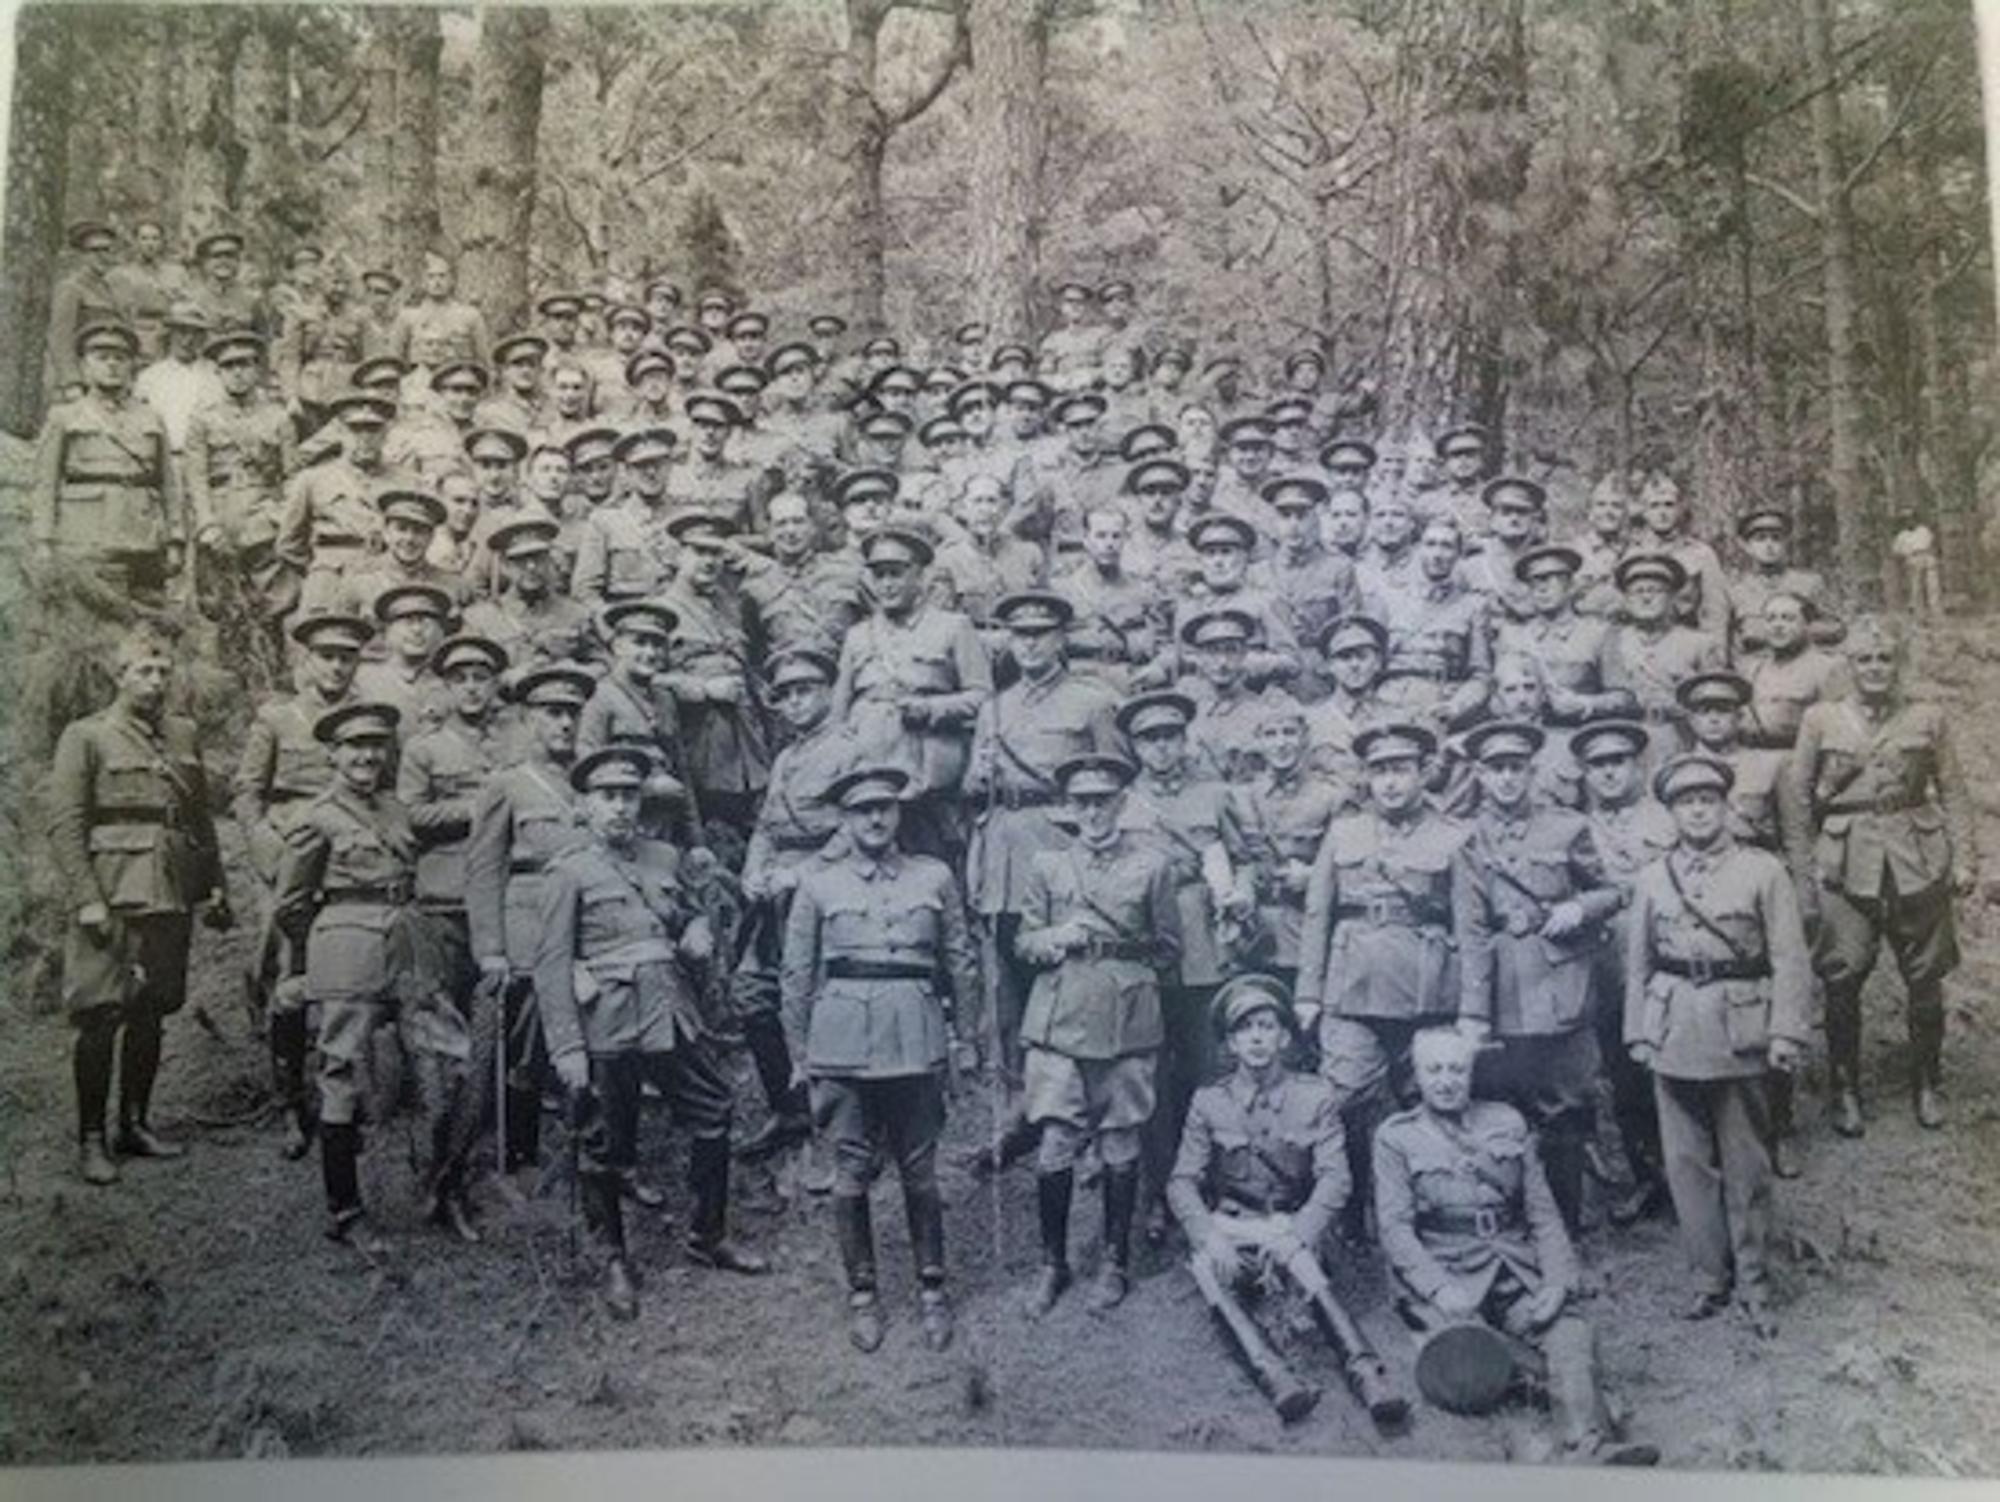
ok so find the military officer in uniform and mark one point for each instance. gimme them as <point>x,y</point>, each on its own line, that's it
<point>912,678</point>
<point>106,513</point>
<point>1311,583</point>
<point>414,620</point>
<point>1717,987</point>
<point>410,523</point>
<point>523,814</point>
<point>1119,613</point>
<point>148,285</point>
<point>1020,737</point>
<point>1574,650</point>
<point>437,327</point>
<point>1471,1232</point>
<point>1517,518</point>
<point>528,619</point>
<point>1766,534</point>
<point>1272,825</point>
<point>1464,455</point>
<point>878,965</point>
<point>1227,712</point>
<point>1630,830</point>
<point>623,551</point>
<point>630,704</point>
<point>1701,600</point>
<point>1440,641</point>
<point>132,836</point>
<point>1788,673</point>
<point>1180,812</point>
<point>1530,899</point>
<point>283,766</point>
<point>1352,649</point>
<point>241,449</point>
<point>219,289</point>
<point>1652,652</point>
<point>438,779</point>
<point>1260,1176</point>
<point>616,941</point>
<point>1878,823</point>
<point>799,596</point>
<point>1100,923</point>
<point>345,897</point>
<point>88,295</point>
<point>1377,959</point>
<point>330,526</point>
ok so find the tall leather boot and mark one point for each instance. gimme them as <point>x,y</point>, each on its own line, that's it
<point>288,1080</point>
<point>1052,1197</point>
<point>1361,1174</point>
<point>1366,1373</point>
<point>1927,1056</point>
<point>1780,1089</point>
<point>139,1067</point>
<point>856,1233</point>
<point>90,1065</point>
<point>1563,1160</point>
<point>924,1207</point>
<point>708,1242</point>
<point>1843,1058</point>
<point>1121,1198</point>
<point>340,1172</point>
<point>604,1221</point>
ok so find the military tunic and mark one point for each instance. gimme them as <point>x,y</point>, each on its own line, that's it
<point>1222,737</point>
<point>1271,829</point>
<point>809,602</point>
<point>621,712</point>
<point>1575,655</point>
<point>930,655</point>
<point>146,291</point>
<point>1250,1151</point>
<point>623,552</point>
<point>1652,664</point>
<point>1783,688</point>
<point>1752,589</point>
<point>551,629</point>
<point>84,297</point>
<point>1311,589</point>
<point>105,490</point>
<point>971,577</point>
<point>433,331</point>
<point>1120,618</point>
<point>330,528</point>
<point>727,747</point>
<point>239,456</point>
<point>130,826</point>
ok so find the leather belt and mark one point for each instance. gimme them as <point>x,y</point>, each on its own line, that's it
<point>131,813</point>
<point>1701,972</point>
<point>797,842</point>
<point>1020,798</point>
<point>1889,803</point>
<point>849,967</point>
<point>337,540</point>
<point>1118,949</point>
<point>394,893</point>
<point>526,865</point>
<point>1488,1224</point>
<point>1390,912</point>
<point>1437,674</point>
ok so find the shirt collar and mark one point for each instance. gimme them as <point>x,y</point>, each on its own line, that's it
<point>885,868</point>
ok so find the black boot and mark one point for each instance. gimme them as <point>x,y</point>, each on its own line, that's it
<point>90,1064</point>
<point>1927,1060</point>
<point>1121,1199</point>
<point>139,1067</point>
<point>708,1183</point>
<point>288,1080</point>
<point>1052,1197</point>
<point>604,1223</point>
<point>856,1234</point>
<point>1562,1158</point>
<point>924,1208</point>
<point>791,1113</point>
<point>1365,1372</point>
<point>340,1172</point>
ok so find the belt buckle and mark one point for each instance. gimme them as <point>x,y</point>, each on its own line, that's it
<point>1486,1222</point>
<point>1380,910</point>
<point>1701,970</point>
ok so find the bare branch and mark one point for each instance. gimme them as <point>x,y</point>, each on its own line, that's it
<point>1895,126</point>
<point>1784,194</point>
<point>959,56</point>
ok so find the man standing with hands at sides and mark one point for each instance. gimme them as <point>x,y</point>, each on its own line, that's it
<point>1262,1171</point>
<point>1099,921</point>
<point>1878,824</point>
<point>615,937</point>
<point>878,962</point>
<point>133,838</point>
<point>1717,989</point>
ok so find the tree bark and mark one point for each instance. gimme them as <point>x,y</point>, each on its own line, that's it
<point>507,110</point>
<point>159,119</point>
<point>860,140</point>
<point>1010,46</point>
<point>37,150</point>
<point>214,151</point>
<point>271,182</point>
<point>1843,379</point>
<point>415,223</point>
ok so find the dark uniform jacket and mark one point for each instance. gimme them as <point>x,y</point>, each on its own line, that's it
<point>522,817</point>
<point>345,885</point>
<point>438,779</point>
<point>104,482</point>
<point>283,765</point>
<point>130,821</point>
<point>1378,939</point>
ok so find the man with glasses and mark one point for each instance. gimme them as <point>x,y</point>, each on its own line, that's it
<point>240,452</point>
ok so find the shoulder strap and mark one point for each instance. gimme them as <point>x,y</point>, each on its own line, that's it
<point>1703,918</point>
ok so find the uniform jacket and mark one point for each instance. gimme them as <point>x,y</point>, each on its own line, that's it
<point>902,911</point>
<point>1181,817</point>
<point>130,822</point>
<point>1277,1150</point>
<point>1269,823</point>
<point>239,455</point>
<point>623,552</point>
<point>438,780</point>
<point>727,746</point>
<point>930,654</point>
<point>344,885</point>
<point>1511,873</point>
<point>1395,957</point>
<point>523,816</point>
<point>813,603</point>
<point>1783,688</point>
<point>104,480</point>
<point>283,765</point>
<point>1885,793</point>
<point>1704,1028</point>
<point>609,977</point>
<point>1484,1163</point>
<point>1099,1004</point>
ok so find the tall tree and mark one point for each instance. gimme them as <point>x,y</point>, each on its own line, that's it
<point>1010,48</point>
<point>861,125</point>
<point>37,148</point>
<point>507,118</point>
<point>400,186</point>
<point>215,148</point>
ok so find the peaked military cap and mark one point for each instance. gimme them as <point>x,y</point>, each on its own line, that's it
<point>453,370</point>
<point>1394,742</point>
<point>404,505</point>
<point>1094,773</point>
<point>560,305</point>
<point>1692,772</point>
<point>1209,628</point>
<point>866,485</point>
<point>751,325</point>
<point>1146,440</point>
<point>648,362</point>
<point>1160,467</point>
<point>799,665</point>
<point>1347,631</point>
<point>1288,492</point>
<point>611,767</point>
<point>1466,436</point>
<point>1605,739</point>
<point>382,371</point>
<point>221,243</point>
<point>89,234</point>
<point>741,380</point>
<point>1655,566</point>
<point>1348,452</point>
<point>715,408</point>
<point>569,687</point>
<point>381,278</point>
<point>1494,491</point>
<point>632,313</point>
<point>1243,996</point>
<point>1705,689</point>
<point>1034,610</point>
<point>525,538</point>
<point>402,601</point>
<point>1549,559</point>
<point>106,335</point>
<point>1764,519</point>
<point>688,339</point>
<point>788,357</point>
<point>645,446</point>
<point>531,346</point>
<point>864,786</point>
<point>591,445</point>
<point>459,651</point>
<point>639,618</point>
<point>334,630</point>
<point>701,528</point>
<point>898,543</point>
<point>1251,430</point>
<point>1163,709</point>
<point>496,443</point>
<point>235,339</point>
<point>1222,531</point>
<point>366,721</point>
<point>1503,738</point>
<point>1084,406</point>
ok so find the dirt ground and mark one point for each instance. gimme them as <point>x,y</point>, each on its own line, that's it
<point>196,1311</point>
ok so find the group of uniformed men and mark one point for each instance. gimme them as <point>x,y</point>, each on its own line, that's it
<point>1296,834</point>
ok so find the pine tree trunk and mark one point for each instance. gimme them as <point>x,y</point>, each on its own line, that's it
<point>507,110</point>
<point>1843,382</point>
<point>857,232</point>
<point>416,224</point>
<point>264,102</point>
<point>214,152</point>
<point>159,131</point>
<point>1009,55</point>
<point>37,149</point>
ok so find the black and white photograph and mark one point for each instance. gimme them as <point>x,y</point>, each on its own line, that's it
<point>1245,727</point>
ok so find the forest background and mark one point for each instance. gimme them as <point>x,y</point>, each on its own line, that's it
<point>1744,240</point>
